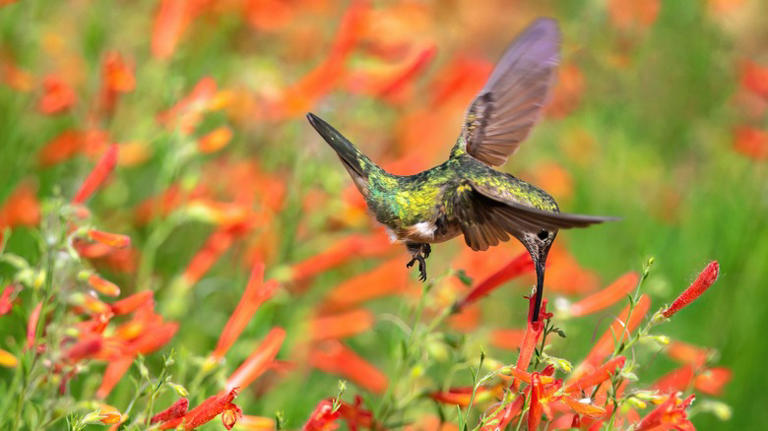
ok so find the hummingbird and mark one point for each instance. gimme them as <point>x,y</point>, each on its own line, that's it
<point>465,195</point>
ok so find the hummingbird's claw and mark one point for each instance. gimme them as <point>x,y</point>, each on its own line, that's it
<point>410,264</point>
<point>419,253</point>
<point>422,269</point>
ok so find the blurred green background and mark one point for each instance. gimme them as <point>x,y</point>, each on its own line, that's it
<point>642,126</point>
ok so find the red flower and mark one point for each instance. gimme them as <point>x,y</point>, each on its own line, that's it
<point>676,380</point>
<point>341,325</point>
<point>712,380</point>
<point>85,348</point>
<point>670,414</point>
<point>461,396</point>
<point>103,286</point>
<point>755,78</point>
<point>532,333</point>
<point>256,292</point>
<point>116,369</point>
<point>21,208</point>
<point>751,142</point>
<point>333,357</point>
<point>215,140</point>
<point>258,362</point>
<point>32,325</point>
<point>508,339</point>
<point>131,303</point>
<point>687,353</point>
<point>176,410</point>
<point>98,175</point>
<point>216,245</point>
<point>501,416</point>
<point>220,403</point>
<point>705,279</point>
<point>171,19</point>
<point>516,267</point>
<point>323,418</point>
<point>5,298</point>
<point>606,297</point>
<point>535,411</point>
<point>57,95</point>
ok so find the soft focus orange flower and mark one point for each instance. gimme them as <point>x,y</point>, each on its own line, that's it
<point>386,279</point>
<point>7,359</point>
<point>353,246</point>
<point>341,325</point>
<point>258,362</point>
<point>131,303</point>
<point>754,77</point>
<point>625,14</point>
<point>111,239</point>
<point>501,416</point>
<point>34,317</point>
<point>596,377</point>
<point>5,297</point>
<point>615,292</point>
<point>751,142</point>
<point>117,78</point>
<point>13,75</point>
<point>712,380</point>
<point>115,371</point>
<point>109,415</point>
<point>70,143</point>
<point>256,423</point>
<point>568,91</point>
<point>508,339</point>
<point>88,347</point>
<point>619,331</point>
<point>255,293</point>
<point>215,140</point>
<point>57,95</point>
<point>706,278</point>
<point>187,112</point>
<point>677,380</point>
<point>98,175</point>
<point>103,286</point>
<point>332,356</point>
<point>670,414</point>
<point>687,353</point>
<point>175,410</point>
<point>461,396</point>
<point>301,96</point>
<point>566,275</point>
<point>217,244</point>
<point>21,208</point>
<point>171,19</point>
<point>519,265</point>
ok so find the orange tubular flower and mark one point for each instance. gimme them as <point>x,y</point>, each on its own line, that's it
<point>508,339</point>
<point>618,332</point>
<point>687,353</point>
<point>258,362</point>
<point>712,380</point>
<point>176,410</point>
<point>755,78</point>
<point>583,408</point>
<point>532,334</point>
<point>703,282</point>
<point>186,114</point>
<point>154,338</point>
<point>256,423</point>
<point>256,292</point>
<point>386,279</point>
<point>21,208</point>
<point>98,175</point>
<point>32,325</point>
<point>5,298</point>
<point>115,371</point>
<point>596,377</point>
<point>103,286</point>
<point>676,380</point>
<point>323,418</point>
<point>535,411</point>
<point>171,19</point>
<point>117,78</point>
<point>670,414</point>
<point>751,142</point>
<point>341,325</point>
<point>83,349</point>
<point>217,244</point>
<point>334,357</point>
<point>353,246</point>
<point>606,297</point>
<point>57,95</point>
<point>215,140</point>
<point>516,267</point>
<point>526,377</point>
<point>113,240</point>
<point>220,403</point>
<point>462,396</point>
<point>131,303</point>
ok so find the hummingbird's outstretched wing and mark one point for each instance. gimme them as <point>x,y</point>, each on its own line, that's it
<point>505,110</point>
<point>487,217</point>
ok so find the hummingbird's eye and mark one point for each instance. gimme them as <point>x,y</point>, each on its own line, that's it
<point>543,235</point>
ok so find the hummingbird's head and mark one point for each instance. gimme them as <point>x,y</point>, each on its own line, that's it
<point>538,245</point>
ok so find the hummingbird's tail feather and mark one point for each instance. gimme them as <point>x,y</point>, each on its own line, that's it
<point>355,161</point>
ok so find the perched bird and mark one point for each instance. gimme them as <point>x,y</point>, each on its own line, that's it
<point>465,195</point>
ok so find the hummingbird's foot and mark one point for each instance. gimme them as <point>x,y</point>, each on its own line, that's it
<point>419,253</point>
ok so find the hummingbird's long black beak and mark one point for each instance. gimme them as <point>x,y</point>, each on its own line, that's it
<point>539,289</point>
